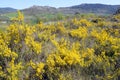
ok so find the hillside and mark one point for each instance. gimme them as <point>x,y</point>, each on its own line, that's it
<point>83,8</point>
<point>118,11</point>
<point>96,8</point>
<point>76,49</point>
<point>36,13</point>
<point>39,9</point>
<point>7,10</point>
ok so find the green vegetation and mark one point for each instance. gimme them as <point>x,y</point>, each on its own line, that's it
<point>11,15</point>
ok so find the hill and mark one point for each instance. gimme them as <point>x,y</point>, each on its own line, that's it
<point>82,8</point>
<point>7,10</point>
<point>36,13</point>
<point>118,11</point>
<point>95,8</point>
<point>39,9</point>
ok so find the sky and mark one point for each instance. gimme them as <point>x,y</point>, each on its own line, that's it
<point>21,4</point>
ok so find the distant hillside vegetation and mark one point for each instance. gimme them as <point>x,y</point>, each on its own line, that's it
<point>35,14</point>
<point>39,9</point>
<point>118,11</point>
<point>96,8</point>
<point>7,10</point>
<point>83,8</point>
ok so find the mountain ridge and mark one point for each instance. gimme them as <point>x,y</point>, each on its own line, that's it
<point>4,10</point>
<point>82,8</point>
<point>96,8</point>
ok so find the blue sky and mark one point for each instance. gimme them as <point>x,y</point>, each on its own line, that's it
<point>20,4</point>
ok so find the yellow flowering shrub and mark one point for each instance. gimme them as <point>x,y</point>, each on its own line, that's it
<point>19,18</point>
<point>82,22</point>
<point>2,74</point>
<point>81,32</point>
<point>38,67</point>
<point>73,49</point>
<point>13,70</point>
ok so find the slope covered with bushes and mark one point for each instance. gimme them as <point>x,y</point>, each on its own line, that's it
<point>77,49</point>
